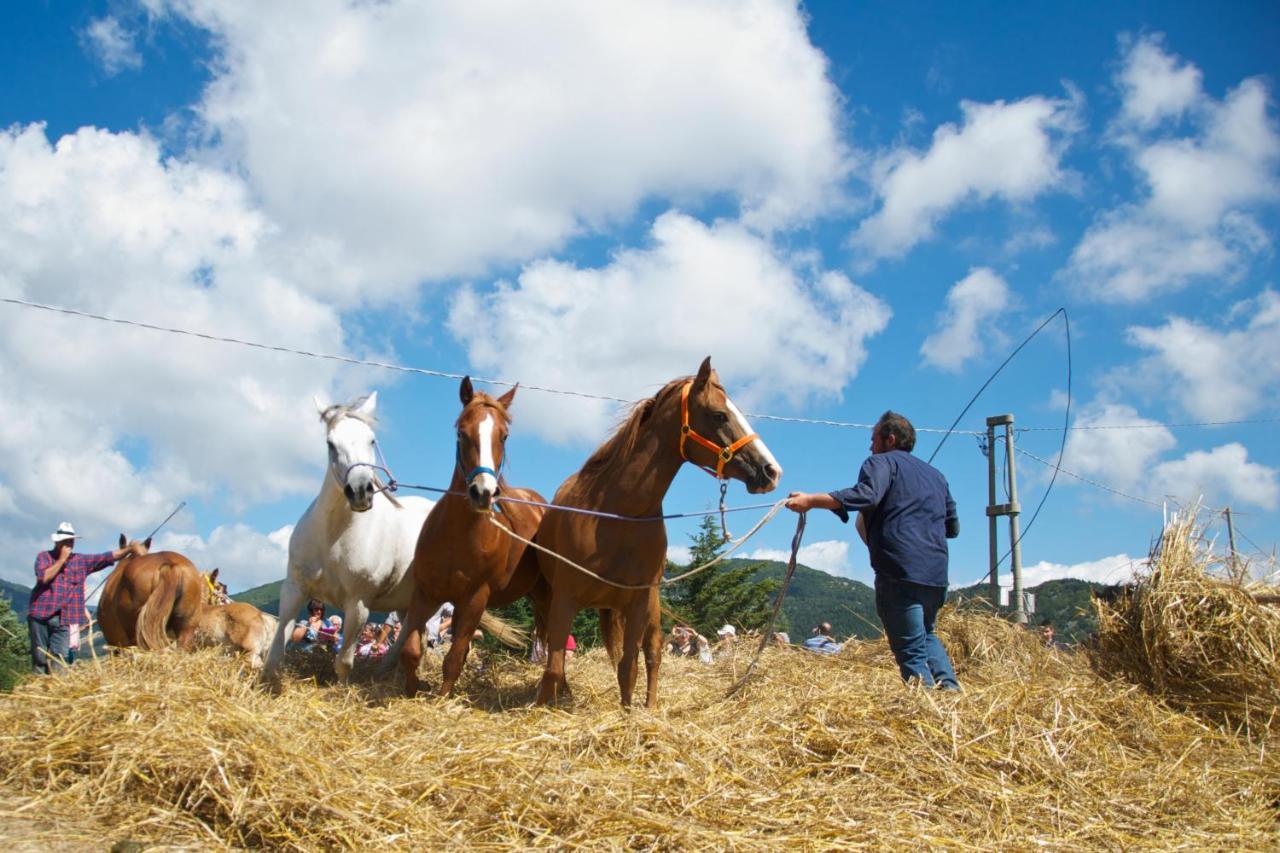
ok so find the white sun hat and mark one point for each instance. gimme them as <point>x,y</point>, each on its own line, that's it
<point>64,531</point>
<point>727,629</point>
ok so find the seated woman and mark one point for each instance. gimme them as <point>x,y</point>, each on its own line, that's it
<point>306,632</point>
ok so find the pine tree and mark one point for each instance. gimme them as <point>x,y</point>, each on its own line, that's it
<point>722,594</point>
<point>15,647</point>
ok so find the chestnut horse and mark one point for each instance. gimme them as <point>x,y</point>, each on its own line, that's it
<point>151,597</point>
<point>461,557</point>
<point>690,419</point>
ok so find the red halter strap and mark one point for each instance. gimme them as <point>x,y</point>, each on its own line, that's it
<point>723,454</point>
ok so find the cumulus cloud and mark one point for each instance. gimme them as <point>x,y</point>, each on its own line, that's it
<point>1115,569</point>
<point>244,557</point>
<point>1194,222</point>
<point>1133,461</point>
<point>112,45</point>
<point>776,327</point>
<point>1216,375</point>
<point>830,556</point>
<point>971,304</point>
<point>111,426</point>
<point>412,141</point>
<point>1005,151</point>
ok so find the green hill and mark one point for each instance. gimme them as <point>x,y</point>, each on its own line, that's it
<point>19,596</point>
<point>1066,602</point>
<point>266,597</point>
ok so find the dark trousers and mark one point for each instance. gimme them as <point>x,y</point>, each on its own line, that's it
<point>908,611</point>
<point>50,644</point>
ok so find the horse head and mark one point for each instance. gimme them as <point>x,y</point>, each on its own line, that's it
<point>482,439</point>
<point>716,436</point>
<point>353,460</point>
<point>136,548</point>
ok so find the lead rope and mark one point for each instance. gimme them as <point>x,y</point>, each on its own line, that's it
<point>663,581</point>
<point>724,525</point>
<point>777,605</point>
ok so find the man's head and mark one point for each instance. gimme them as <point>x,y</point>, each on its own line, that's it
<point>822,630</point>
<point>64,534</point>
<point>893,432</point>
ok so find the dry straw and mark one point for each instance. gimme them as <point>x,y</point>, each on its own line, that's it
<point>814,753</point>
<point>1191,631</point>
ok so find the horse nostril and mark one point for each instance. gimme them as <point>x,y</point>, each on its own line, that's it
<point>773,472</point>
<point>349,492</point>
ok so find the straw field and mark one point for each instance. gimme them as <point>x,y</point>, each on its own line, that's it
<point>815,752</point>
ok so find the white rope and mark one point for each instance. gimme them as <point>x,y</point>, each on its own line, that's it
<point>736,544</point>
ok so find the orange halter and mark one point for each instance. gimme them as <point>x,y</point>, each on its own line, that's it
<point>723,454</point>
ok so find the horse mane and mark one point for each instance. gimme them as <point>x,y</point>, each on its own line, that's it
<point>619,446</point>
<point>349,410</point>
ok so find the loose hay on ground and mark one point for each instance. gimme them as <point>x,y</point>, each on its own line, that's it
<point>813,752</point>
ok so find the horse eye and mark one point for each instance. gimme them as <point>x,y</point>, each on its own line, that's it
<point>721,418</point>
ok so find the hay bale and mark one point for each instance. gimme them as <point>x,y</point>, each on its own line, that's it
<point>814,752</point>
<point>1195,635</point>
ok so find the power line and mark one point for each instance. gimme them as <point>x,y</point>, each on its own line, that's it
<point>1152,425</point>
<point>422,371</point>
<point>1094,483</point>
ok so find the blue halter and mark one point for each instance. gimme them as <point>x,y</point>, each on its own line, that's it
<point>479,469</point>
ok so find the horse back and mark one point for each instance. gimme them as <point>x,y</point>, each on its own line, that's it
<point>132,585</point>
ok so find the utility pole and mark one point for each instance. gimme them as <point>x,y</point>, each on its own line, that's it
<point>1231,538</point>
<point>992,533</point>
<point>1011,509</point>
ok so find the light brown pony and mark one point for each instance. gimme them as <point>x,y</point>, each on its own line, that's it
<point>461,557</point>
<point>629,475</point>
<point>151,597</point>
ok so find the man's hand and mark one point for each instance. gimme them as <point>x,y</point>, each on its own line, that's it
<point>805,501</point>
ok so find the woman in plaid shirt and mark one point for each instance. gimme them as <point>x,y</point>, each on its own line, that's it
<point>57,600</point>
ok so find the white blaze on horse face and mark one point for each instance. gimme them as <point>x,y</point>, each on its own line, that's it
<point>741,422</point>
<point>352,444</point>
<point>486,483</point>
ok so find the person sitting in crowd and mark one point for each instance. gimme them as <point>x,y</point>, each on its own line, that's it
<point>570,648</point>
<point>306,632</point>
<point>371,644</point>
<point>726,638</point>
<point>330,634</point>
<point>781,638</point>
<point>683,641</point>
<point>821,640</point>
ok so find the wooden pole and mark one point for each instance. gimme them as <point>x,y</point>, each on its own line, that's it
<point>1231,539</point>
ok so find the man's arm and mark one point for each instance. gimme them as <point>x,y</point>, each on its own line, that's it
<point>47,574</point>
<point>873,482</point>
<point>953,520</point>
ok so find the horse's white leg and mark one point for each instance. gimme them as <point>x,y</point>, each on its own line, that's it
<point>290,603</point>
<point>357,613</point>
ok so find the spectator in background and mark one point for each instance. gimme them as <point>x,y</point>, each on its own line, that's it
<point>57,599</point>
<point>438,625</point>
<point>307,632</point>
<point>821,640</point>
<point>570,648</point>
<point>330,635</point>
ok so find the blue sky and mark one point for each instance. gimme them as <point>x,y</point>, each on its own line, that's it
<point>850,207</point>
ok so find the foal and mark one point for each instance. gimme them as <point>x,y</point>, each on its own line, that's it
<point>461,557</point>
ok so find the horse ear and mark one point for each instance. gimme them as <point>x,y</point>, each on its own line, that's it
<point>465,391</point>
<point>506,398</point>
<point>704,374</point>
<point>146,543</point>
<point>368,404</point>
<point>321,408</point>
<point>213,575</point>
<point>123,541</point>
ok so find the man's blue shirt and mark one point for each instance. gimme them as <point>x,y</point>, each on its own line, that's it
<point>910,516</point>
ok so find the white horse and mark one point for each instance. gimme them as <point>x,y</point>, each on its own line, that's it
<point>353,546</point>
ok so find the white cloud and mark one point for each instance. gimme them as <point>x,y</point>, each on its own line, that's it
<point>1120,458</point>
<point>1156,85</point>
<point>1006,151</point>
<point>679,554</point>
<point>111,426</point>
<point>1223,476</point>
<point>1216,375</point>
<point>1116,569</point>
<point>245,557</point>
<point>830,556</point>
<point>971,304</point>
<point>112,45</point>
<point>423,141</point>
<point>1193,223</point>
<point>775,329</point>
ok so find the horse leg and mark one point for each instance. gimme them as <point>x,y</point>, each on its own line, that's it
<point>357,613</point>
<point>290,604</point>
<point>466,618</point>
<point>559,621</point>
<point>635,622</point>
<point>653,650</point>
<point>410,642</point>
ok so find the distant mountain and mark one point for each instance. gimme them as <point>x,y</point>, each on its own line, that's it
<point>19,596</point>
<point>1065,602</point>
<point>266,597</point>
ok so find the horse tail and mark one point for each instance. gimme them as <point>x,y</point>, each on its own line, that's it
<point>611,633</point>
<point>153,618</point>
<point>503,631</point>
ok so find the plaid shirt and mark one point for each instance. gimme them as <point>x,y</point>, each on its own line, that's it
<point>66,593</point>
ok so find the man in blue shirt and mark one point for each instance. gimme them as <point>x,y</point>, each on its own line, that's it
<point>909,515</point>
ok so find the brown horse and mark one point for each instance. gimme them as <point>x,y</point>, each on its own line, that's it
<point>461,556</point>
<point>151,597</point>
<point>690,419</point>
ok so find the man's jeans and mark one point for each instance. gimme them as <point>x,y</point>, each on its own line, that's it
<point>907,611</point>
<point>50,644</point>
